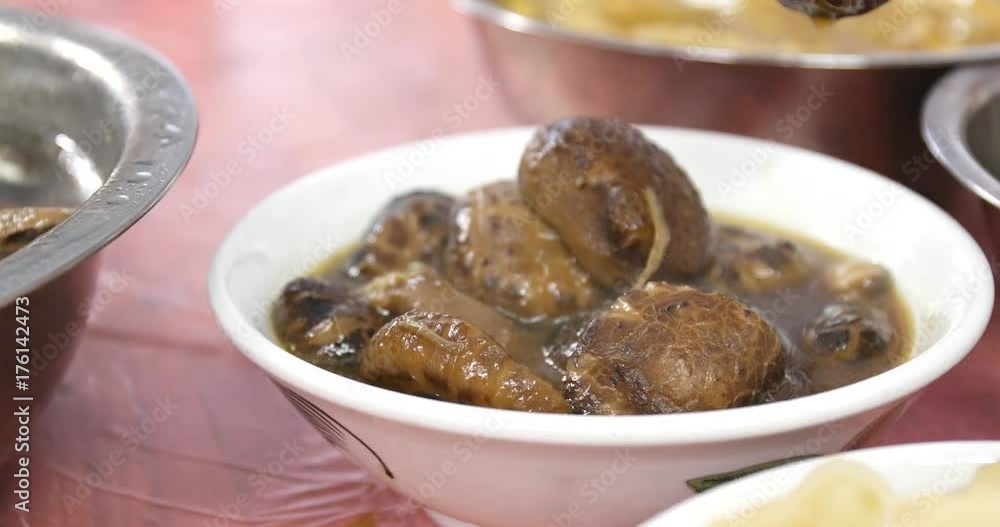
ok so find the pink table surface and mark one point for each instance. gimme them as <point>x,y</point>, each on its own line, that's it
<point>155,343</point>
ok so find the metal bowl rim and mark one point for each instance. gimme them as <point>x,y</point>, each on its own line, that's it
<point>489,12</point>
<point>944,121</point>
<point>101,219</point>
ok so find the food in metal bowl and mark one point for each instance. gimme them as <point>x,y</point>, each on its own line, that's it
<point>20,226</point>
<point>596,283</point>
<point>766,25</point>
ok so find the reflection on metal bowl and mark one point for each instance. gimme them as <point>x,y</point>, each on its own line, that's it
<point>862,108</point>
<point>961,123</point>
<point>94,123</point>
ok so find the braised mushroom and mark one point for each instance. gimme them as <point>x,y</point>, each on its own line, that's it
<point>563,343</point>
<point>596,284</point>
<point>855,280</point>
<point>420,287</point>
<point>410,228</point>
<point>665,349</point>
<point>501,253</point>
<point>326,324</point>
<point>750,262</point>
<point>832,9</point>
<point>19,226</point>
<point>451,359</point>
<point>848,332</point>
<point>620,203</point>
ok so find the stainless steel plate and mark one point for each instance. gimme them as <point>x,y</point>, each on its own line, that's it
<point>88,120</point>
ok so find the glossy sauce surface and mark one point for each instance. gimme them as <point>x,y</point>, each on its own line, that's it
<point>541,344</point>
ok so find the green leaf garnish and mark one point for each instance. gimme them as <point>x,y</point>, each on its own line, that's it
<point>708,482</point>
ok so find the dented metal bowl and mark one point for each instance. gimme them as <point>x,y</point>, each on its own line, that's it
<point>89,121</point>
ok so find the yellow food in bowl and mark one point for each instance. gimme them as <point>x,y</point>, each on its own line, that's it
<point>844,493</point>
<point>764,25</point>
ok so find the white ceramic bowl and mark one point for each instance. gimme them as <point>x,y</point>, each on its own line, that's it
<point>495,467</point>
<point>924,471</point>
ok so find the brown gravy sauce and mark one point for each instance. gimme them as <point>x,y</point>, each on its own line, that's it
<point>789,309</point>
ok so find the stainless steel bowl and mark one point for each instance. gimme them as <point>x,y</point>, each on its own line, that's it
<point>94,122</point>
<point>961,124</point>
<point>860,107</point>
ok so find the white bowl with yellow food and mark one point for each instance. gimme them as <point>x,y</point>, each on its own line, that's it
<point>919,485</point>
<point>491,466</point>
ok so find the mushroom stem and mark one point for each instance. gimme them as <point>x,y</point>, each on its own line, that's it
<point>661,238</point>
